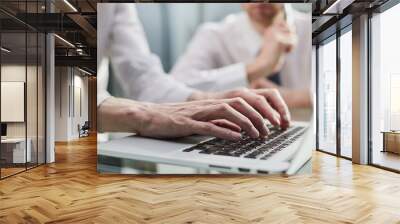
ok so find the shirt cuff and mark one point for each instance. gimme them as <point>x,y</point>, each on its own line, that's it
<point>178,94</point>
<point>102,96</point>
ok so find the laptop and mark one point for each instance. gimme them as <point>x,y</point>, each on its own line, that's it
<point>283,151</point>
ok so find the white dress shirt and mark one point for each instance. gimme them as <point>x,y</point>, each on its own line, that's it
<point>216,57</point>
<point>137,74</point>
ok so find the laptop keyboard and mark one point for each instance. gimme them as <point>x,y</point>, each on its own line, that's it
<point>260,148</point>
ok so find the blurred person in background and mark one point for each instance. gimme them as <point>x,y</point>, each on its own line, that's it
<point>268,45</point>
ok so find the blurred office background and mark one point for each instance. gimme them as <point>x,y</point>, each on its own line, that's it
<point>169,27</point>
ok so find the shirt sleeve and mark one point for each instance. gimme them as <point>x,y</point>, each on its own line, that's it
<point>102,81</point>
<point>198,67</point>
<point>138,72</point>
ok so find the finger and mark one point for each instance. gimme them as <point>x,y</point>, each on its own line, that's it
<point>283,30</point>
<point>281,23</point>
<point>262,106</point>
<point>226,124</point>
<point>225,111</point>
<point>286,38</point>
<point>277,102</point>
<point>255,117</point>
<point>210,129</point>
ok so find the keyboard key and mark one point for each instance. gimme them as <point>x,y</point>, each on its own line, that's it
<point>261,148</point>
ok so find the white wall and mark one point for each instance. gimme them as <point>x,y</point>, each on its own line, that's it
<point>12,101</point>
<point>61,103</point>
<point>80,84</point>
<point>16,73</point>
<point>70,83</point>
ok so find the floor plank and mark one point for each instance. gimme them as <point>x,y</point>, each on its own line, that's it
<point>71,191</point>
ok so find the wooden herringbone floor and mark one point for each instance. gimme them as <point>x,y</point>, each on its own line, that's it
<point>70,191</point>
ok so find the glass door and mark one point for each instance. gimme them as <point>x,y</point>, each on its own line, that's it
<point>327,96</point>
<point>346,93</point>
<point>13,103</point>
<point>385,90</point>
<point>22,77</point>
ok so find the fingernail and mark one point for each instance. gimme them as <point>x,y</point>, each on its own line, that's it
<point>236,136</point>
<point>255,134</point>
<point>277,120</point>
<point>286,117</point>
<point>268,131</point>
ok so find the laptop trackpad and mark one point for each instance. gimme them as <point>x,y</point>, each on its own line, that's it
<point>143,145</point>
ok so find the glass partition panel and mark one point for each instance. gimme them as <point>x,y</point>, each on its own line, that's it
<point>22,67</point>
<point>346,94</point>
<point>385,84</point>
<point>327,97</point>
<point>32,98</point>
<point>33,61</point>
<point>14,153</point>
<point>41,79</point>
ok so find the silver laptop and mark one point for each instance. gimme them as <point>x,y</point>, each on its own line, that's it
<point>280,152</point>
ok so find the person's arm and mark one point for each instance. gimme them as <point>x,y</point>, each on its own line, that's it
<point>198,66</point>
<point>223,118</point>
<point>224,115</point>
<point>134,66</point>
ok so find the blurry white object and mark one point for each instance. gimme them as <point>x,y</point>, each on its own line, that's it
<point>12,101</point>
